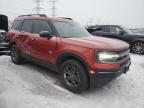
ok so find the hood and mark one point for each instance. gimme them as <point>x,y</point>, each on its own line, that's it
<point>138,35</point>
<point>4,23</point>
<point>98,43</point>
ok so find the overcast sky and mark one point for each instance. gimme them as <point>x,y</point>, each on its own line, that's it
<point>129,13</point>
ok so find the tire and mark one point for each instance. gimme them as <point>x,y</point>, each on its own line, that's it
<point>16,55</point>
<point>74,76</point>
<point>138,47</point>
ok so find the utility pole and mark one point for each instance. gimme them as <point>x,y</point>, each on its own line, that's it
<point>90,21</point>
<point>53,7</point>
<point>98,21</point>
<point>38,8</point>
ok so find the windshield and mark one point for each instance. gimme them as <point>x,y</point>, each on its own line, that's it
<point>70,29</point>
<point>126,30</point>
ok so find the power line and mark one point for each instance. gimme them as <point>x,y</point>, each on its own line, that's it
<point>93,21</point>
<point>53,7</point>
<point>38,8</point>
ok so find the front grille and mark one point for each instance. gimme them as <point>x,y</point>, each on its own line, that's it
<point>3,36</point>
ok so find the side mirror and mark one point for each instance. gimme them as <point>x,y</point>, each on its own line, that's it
<point>46,34</point>
<point>121,32</point>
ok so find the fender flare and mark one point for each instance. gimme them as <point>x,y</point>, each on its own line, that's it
<point>140,39</point>
<point>68,55</point>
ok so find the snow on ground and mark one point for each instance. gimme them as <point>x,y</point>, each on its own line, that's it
<point>30,86</point>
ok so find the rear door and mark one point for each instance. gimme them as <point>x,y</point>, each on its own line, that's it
<point>42,48</point>
<point>24,36</point>
<point>102,31</point>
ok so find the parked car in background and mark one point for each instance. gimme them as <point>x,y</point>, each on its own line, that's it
<point>3,33</point>
<point>136,41</point>
<point>64,46</point>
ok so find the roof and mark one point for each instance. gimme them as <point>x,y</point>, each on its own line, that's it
<point>41,16</point>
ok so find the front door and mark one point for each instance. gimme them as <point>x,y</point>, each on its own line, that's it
<point>41,48</point>
<point>116,33</point>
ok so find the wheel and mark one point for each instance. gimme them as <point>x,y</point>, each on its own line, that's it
<point>74,76</point>
<point>15,55</point>
<point>138,47</point>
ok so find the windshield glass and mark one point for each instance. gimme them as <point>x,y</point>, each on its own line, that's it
<point>70,29</point>
<point>126,30</point>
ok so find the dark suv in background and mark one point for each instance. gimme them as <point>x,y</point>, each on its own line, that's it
<point>136,41</point>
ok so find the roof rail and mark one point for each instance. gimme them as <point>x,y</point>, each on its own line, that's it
<point>40,15</point>
<point>66,18</point>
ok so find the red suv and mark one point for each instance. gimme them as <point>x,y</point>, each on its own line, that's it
<point>63,45</point>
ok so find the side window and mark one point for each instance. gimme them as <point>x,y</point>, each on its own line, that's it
<point>100,30</point>
<point>27,26</point>
<point>40,25</point>
<point>104,28</point>
<point>116,30</point>
<point>17,24</point>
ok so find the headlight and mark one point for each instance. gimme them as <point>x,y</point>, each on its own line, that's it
<point>107,57</point>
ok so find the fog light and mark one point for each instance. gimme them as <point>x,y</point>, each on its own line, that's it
<point>92,72</point>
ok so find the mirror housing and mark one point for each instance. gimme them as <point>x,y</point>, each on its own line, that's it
<point>46,34</point>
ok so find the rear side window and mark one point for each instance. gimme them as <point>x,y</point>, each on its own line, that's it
<point>41,25</point>
<point>100,30</point>
<point>17,24</point>
<point>104,28</point>
<point>27,26</point>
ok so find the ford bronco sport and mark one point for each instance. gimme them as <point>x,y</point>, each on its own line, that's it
<point>64,46</point>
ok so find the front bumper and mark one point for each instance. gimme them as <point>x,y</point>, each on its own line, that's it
<point>107,75</point>
<point>4,46</point>
<point>111,73</point>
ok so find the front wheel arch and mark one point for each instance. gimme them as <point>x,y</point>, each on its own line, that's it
<point>16,54</point>
<point>67,56</point>
<point>13,43</point>
<point>70,56</point>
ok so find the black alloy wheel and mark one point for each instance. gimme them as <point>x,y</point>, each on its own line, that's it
<point>138,48</point>
<point>74,76</point>
<point>71,76</point>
